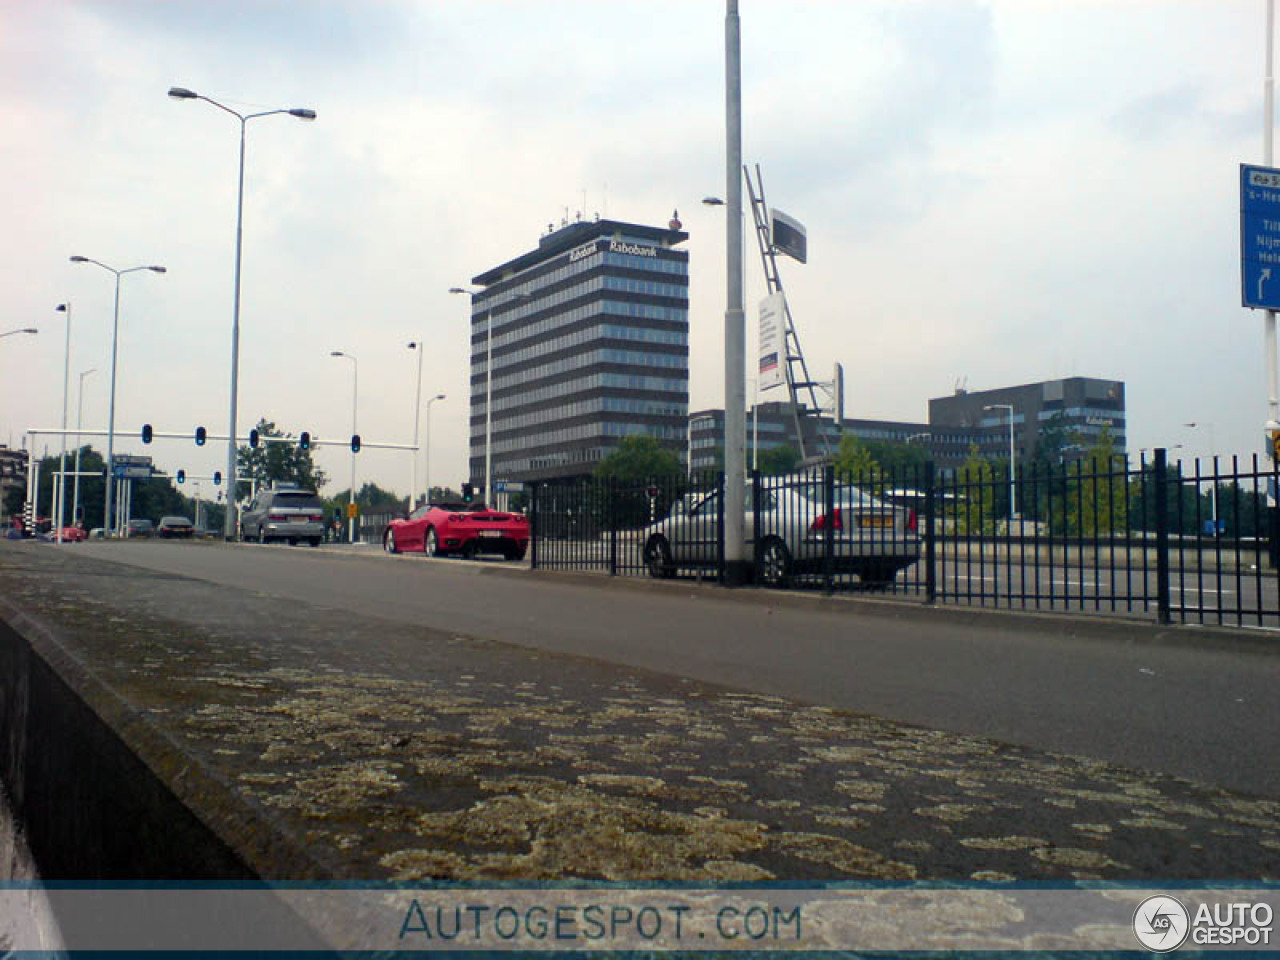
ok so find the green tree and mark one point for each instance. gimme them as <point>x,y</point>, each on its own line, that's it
<point>639,459</point>
<point>1096,502</point>
<point>370,498</point>
<point>777,461</point>
<point>854,459</point>
<point>902,463</point>
<point>278,462</point>
<point>152,498</point>
<point>975,488</point>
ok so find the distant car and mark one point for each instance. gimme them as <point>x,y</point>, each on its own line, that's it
<point>468,529</point>
<point>74,535</point>
<point>285,512</point>
<point>98,533</point>
<point>140,528</point>
<point>174,527</point>
<point>871,538</point>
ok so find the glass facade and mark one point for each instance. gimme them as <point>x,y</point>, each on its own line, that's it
<point>589,336</point>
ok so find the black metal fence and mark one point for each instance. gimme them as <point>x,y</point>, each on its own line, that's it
<point>1187,542</point>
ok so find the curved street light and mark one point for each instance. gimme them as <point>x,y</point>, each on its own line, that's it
<point>111,416</point>
<point>182,93</point>
<point>427,477</point>
<point>1013,506</point>
<point>10,333</point>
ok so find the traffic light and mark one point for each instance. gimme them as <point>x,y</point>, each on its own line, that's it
<point>182,476</point>
<point>147,433</point>
<point>468,493</point>
<point>304,441</point>
<point>200,436</point>
<point>355,443</point>
<point>217,477</point>
<point>253,439</point>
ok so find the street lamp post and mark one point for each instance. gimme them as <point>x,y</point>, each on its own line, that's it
<point>427,472</point>
<point>1213,489</point>
<point>181,93</point>
<point>734,323</point>
<point>1013,504</point>
<point>111,415</point>
<point>60,506</point>
<point>417,409</point>
<point>355,392</point>
<point>75,502</point>
<point>10,333</point>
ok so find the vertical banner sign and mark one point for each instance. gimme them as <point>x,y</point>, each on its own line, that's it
<point>773,340</point>
<point>1260,237</point>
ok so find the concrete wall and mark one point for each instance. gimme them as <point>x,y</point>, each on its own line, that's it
<point>90,808</point>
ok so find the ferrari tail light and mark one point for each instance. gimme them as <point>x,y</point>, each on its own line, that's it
<point>913,522</point>
<point>820,523</point>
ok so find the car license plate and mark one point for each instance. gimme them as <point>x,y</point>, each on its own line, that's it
<point>490,533</point>
<point>875,520</point>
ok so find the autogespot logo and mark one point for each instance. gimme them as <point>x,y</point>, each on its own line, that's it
<point>1161,924</point>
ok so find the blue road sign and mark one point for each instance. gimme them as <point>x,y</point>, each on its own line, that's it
<point>1260,236</point>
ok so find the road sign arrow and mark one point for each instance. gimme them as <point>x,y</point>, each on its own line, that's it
<point>1262,278</point>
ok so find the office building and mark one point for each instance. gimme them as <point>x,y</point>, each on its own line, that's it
<point>590,343</point>
<point>1076,409</point>
<point>1070,413</point>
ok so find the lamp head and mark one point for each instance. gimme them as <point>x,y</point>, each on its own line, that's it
<point>61,308</point>
<point>458,290</point>
<point>155,269</point>
<point>713,201</point>
<point>336,353</point>
<point>30,330</point>
<point>440,396</point>
<point>302,113</point>
<point>182,93</point>
<point>79,259</point>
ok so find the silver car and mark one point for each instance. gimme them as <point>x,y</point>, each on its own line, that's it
<point>284,513</point>
<point>870,538</point>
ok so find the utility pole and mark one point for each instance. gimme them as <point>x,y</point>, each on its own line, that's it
<point>735,336</point>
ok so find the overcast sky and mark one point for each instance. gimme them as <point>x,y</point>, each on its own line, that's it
<point>995,193</point>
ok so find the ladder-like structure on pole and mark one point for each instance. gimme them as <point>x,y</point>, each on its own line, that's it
<point>798,378</point>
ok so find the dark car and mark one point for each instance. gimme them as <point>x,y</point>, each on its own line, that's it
<point>285,512</point>
<point>140,528</point>
<point>175,527</point>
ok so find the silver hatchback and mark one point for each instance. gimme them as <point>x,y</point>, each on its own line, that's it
<point>284,513</point>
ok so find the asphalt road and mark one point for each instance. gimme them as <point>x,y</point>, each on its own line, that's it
<point>1129,695</point>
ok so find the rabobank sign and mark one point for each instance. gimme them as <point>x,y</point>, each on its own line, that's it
<point>582,252</point>
<point>635,249</point>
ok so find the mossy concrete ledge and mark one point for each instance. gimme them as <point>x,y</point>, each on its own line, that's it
<point>102,794</point>
<point>164,727</point>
